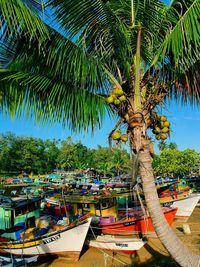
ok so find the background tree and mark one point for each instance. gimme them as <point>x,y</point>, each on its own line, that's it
<point>175,162</point>
<point>111,162</point>
<point>73,156</point>
<point>27,154</point>
<point>67,156</point>
<point>162,145</point>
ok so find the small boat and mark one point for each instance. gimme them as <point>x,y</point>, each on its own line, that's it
<point>135,224</point>
<point>128,245</point>
<point>64,241</point>
<point>14,262</point>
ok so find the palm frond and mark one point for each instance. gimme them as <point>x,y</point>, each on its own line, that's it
<point>183,31</point>
<point>16,16</point>
<point>22,93</point>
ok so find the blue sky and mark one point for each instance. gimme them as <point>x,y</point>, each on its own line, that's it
<point>185,128</point>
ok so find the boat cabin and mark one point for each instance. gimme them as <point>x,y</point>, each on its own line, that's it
<point>15,211</point>
<point>98,206</point>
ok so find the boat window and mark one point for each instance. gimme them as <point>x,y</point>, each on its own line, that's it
<point>79,206</point>
<point>86,205</point>
<point>21,210</point>
<point>97,206</point>
<point>26,208</point>
<point>104,205</point>
<point>30,222</point>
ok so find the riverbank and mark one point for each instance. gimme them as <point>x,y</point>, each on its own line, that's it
<point>153,254</point>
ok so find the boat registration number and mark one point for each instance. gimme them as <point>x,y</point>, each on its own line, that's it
<point>51,239</point>
<point>168,204</point>
<point>129,223</point>
<point>121,245</point>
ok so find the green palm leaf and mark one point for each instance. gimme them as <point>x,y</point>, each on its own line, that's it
<point>23,93</point>
<point>17,16</point>
<point>183,32</point>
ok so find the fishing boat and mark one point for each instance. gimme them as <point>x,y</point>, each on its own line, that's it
<point>64,241</point>
<point>94,203</point>
<point>176,189</point>
<point>16,211</point>
<point>185,205</point>
<point>138,223</point>
<point>127,245</point>
<point>14,262</point>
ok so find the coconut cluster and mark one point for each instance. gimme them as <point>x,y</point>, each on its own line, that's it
<point>116,96</point>
<point>161,128</point>
<point>119,137</point>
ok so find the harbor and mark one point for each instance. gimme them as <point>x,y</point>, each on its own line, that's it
<point>60,220</point>
<point>152,254</point>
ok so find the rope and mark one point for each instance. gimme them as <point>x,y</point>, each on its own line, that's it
<point>106,255</point>
<point>143,209</point>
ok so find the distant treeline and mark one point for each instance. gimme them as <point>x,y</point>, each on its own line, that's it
<point>172,161</point>
<point>37,156</point>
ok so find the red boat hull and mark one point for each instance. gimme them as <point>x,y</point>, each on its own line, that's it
<point>136,224</point>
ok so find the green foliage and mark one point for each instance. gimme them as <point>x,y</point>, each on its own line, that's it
<point>63,74</point>
<point>39,156</point>
<point>110,161</point>
<point>172,161</point>
<point>27,154</point>
<point>163,145</point>
<point>73,156</point>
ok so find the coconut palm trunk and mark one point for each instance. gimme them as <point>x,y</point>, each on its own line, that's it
<point>139,121</point>
<point>169,239</point>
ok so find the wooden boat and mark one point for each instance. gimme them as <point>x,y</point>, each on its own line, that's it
<point>175,189</point>
<point>67,241</point>
<point>15,210</point>
<point>135,224</point>
<point>174,196</point>
<point>185,205</point>
<point>98,205</point>
<point>14,262</point>
<point>128,245</point>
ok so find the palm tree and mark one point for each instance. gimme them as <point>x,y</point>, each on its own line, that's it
<point>162,145</point>
<point>143,50</point>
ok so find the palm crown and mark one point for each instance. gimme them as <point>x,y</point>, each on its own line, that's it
<point>56,73</point>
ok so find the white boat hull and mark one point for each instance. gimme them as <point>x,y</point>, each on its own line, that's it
<point>67,242</point>
<point>124,245</point>
<point>185,206</point>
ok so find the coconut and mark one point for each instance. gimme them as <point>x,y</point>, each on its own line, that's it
<point>116,101</point>
<point>118,91</point>
<point>157,130</point>
<point>124,137</point>
<point>158,137</point>
<point>163,136</point>
<point>116,135</point>
<point>109,99</point>
<point>163,118</point>
<point>167,123</point>
<point>165,130</point>
<point>122,98</point>
<point>162,125</point>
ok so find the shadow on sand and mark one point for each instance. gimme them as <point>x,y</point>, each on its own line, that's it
<point>157,260</point>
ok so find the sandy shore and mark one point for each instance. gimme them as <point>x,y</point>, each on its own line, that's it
<point>153,254</point>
